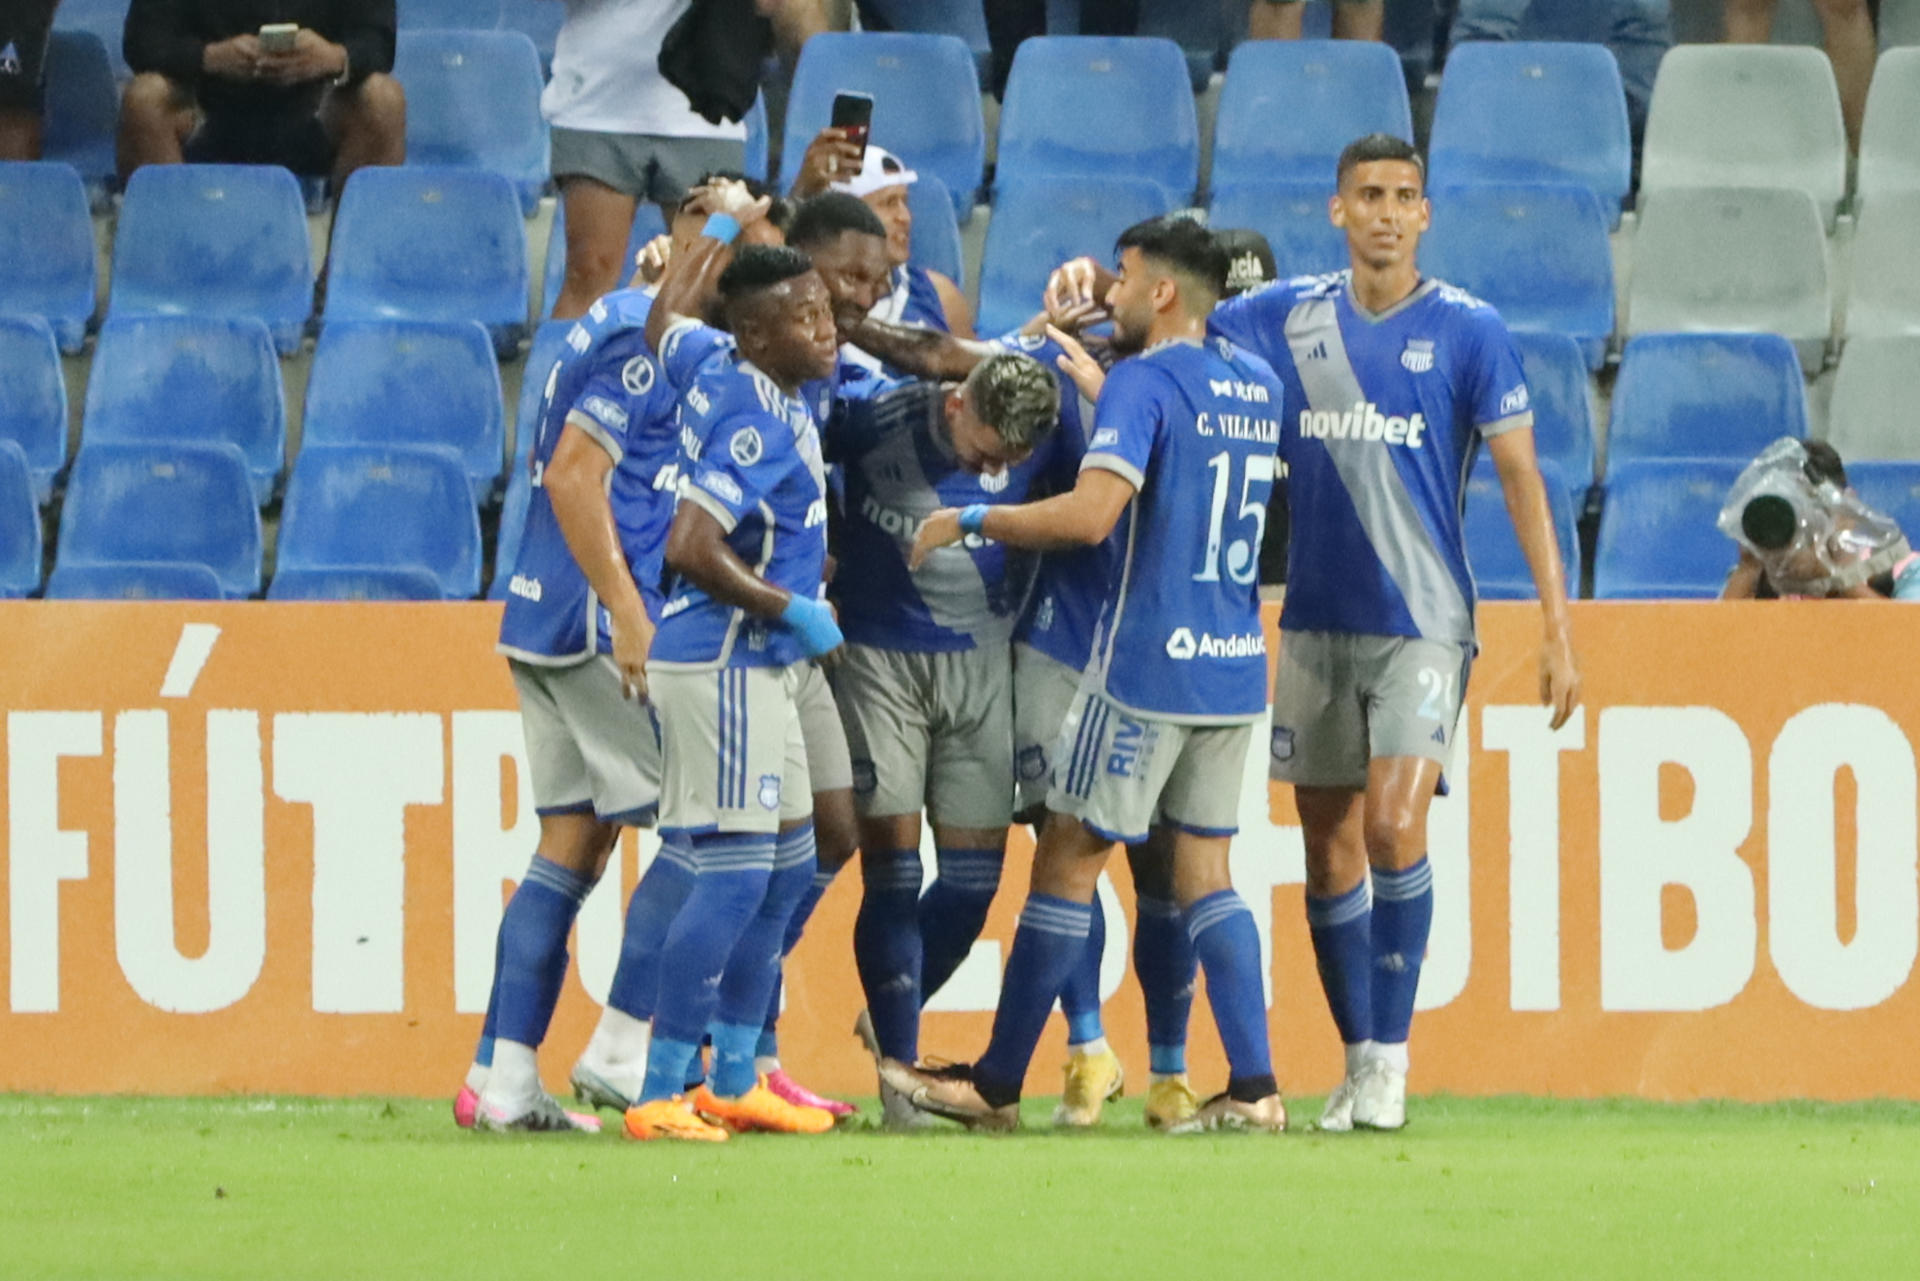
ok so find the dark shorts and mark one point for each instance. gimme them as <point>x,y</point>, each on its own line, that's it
<point>24,29</point>
<point>295,139</point>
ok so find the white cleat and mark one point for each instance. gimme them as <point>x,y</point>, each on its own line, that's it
<point>596,1087</point>
<point>1337,1116</point>
<point>542,1115</point>
<point>1380,1097</point>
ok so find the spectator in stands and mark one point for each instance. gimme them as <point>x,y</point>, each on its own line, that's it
<point>1280,19</point>
<point>24,28</point>
<point>1804,534</point>
<point>207,87</point>
<point>1851,44</point>
<point>622,133</point>
<point>1638,31</point>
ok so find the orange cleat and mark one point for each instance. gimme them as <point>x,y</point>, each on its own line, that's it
<point>672,1118</point>
<point>761,1109</point>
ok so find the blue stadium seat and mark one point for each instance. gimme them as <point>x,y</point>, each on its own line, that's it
<point>1038,225</point>
<point>1289,107</point>
<point>1538,253</point>
<point>1891,488</point>
<point>926,103</point>
<point>1704,396</point>
<point>134,580</point>
<point>451,15</point>
<point>354,584</point>
<point>104,18</point>
<point>1562,407</point>
<point>647,223</point>
<point>46,248</point>
<point>215,240</point>
<point>19,525</point>
<point>936,235</point>
<point>756,152</point>
<point>193,381</point>
<point>164,501</point>
<point>430,244</point>
<point>1293,218</point>
<point>1090,107</point>
<point>410,383</point>
<point>473,100</point>
<point>539,21</point>
<point>368,507</point>
<point>83,107</point>
<point>541,357</point>
<point>33,398</point>
<point>1658,540</point>
<point>513,519</point>
<point>933,17</point>
<point>1199,29</point>
<point>1533,112</point>
<point>1499,566</point>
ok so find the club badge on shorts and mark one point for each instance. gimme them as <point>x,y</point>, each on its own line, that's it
<point>1418,357</point>
<point>770,791</point>
<point>1282,743</point>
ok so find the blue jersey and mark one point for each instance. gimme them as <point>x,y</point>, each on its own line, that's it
<point>608,385</point>
<point>911,300</point>
<point>1062,610</point>
<point>1385,414</point>
<point>1194,427</point>
<point>750,457</point>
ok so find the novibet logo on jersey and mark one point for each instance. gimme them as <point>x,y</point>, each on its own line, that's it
<point>1363,422</point>
<point>1183,644</point>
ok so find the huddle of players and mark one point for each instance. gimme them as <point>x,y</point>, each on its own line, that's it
<point>665,652</point>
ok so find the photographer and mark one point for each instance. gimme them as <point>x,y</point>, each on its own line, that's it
<point>1803,534</point>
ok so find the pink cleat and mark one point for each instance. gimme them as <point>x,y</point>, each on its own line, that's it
<point>800,1096</point>
<point>466,1105</point>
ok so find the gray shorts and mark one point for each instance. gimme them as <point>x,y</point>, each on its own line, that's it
<point>1122,774</point>
<point>647,167</point>
<point>736,758</point>
<point>589,748</point>
<point>1341,700</point>
<point>930,731</point>
<point>829,766</point>
<point>1043,691</point>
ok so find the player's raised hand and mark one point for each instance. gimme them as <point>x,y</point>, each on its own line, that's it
<point>1559,679</point>
<point>651,262</point>
<point>1079,283</point>
<point>632,641</point>
<point>942,529</point>
<point>730,196</point>
<point>1077,364</point>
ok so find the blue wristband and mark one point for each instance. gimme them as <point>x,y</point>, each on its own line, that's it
<point>721,227</point>
<point>973,518</point>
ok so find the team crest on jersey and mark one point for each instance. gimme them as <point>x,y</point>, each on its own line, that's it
<point>769,791</point>
<point>746,446</point>
<point>1418,357</point>
<point>995,482</point>
<point>1282,745</point>
<point>637,376</point>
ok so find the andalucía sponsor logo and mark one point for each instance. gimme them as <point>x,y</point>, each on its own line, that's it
<point>1183,644</point>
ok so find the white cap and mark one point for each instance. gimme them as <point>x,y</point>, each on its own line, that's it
<point>880,170</point>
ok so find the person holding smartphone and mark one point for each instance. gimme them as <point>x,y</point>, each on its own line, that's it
<point>302,83</point>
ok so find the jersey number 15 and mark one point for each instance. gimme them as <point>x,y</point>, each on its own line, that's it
<point>1256,486</point>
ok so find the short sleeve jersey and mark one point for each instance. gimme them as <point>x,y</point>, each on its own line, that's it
<point>911,299</point>
<point>1194,427</point>
<point>1385,414</point>
<point>750,457</point>
<point>607,384</point>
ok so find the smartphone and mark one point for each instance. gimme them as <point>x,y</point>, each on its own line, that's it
<point>854,113</point>
<point>278,37</point>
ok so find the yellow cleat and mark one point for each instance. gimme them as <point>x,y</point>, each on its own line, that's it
<point>1092,1079</point>
<point>672,1118</point>
<point>761,1109</point>
<point>1170,1101</point>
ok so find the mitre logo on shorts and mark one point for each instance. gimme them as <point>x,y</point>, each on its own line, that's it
<point>1363,422</point>
<point>637,376</point>
<point>769,791</point>
<point>1183,645</point>
<point>746,446</point>
<point>1031,763</point>
<point>1418,356</point>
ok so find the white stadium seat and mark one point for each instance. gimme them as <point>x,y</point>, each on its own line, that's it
<point>1886,267</point>
<point>1872,415</point>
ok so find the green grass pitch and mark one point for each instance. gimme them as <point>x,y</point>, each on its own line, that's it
<point>272,1188</point>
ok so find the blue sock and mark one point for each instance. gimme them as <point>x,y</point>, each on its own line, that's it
<point>1080,998</point>
<point>650,912</point>
<point>886,948</point>
<point>1342,929</point>
<point>1050,940</point>
<point>954,911</point>
<point>483,1053</point>
<point>731,872</point>
<point>754,968</point>
<point>1163,958</point>
<point>1228,945</point>
<point>769,1044</point>
<point>1402,919</point>
<point>533,950</point>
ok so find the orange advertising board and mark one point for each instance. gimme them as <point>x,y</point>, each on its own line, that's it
<point>265,847</point>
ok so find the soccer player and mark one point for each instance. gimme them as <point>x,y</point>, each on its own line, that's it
<point>1161,727</point>
<point>747,550</point>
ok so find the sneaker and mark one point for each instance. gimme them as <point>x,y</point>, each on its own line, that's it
<point>1092,1079</point>
<point>1337,1116</point>
<point>672,1118</point>
<point>801,1097</point>
<point>950,1093</point>
<point>543,1115</point>
<point>1220,1112</point>
<point>465,1105</point>
<point>761,1109</point>
<point>595,1091</point>
<point>1170,1100</point>
<point>1380,1097</point>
